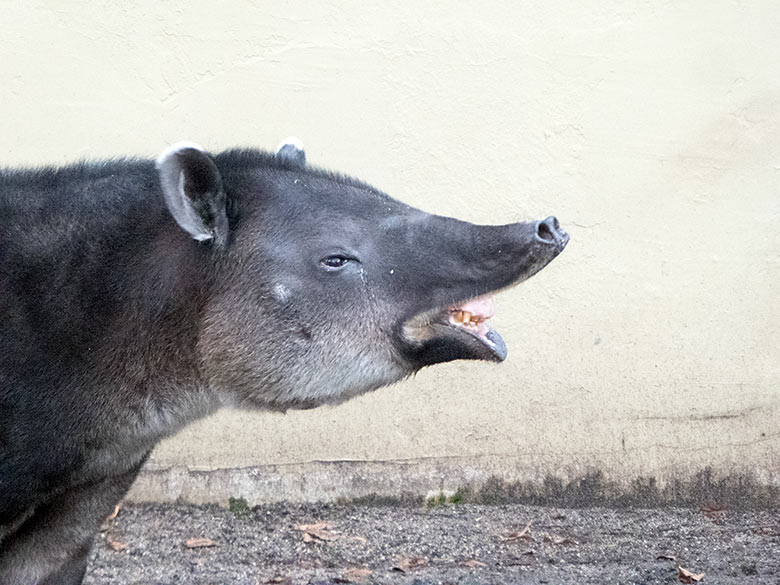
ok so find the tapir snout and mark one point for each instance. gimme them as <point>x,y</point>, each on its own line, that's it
<point>462,265</point>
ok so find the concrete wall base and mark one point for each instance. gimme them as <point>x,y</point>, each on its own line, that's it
<point>479,480</point>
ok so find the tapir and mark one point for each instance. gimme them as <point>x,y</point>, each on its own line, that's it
<point>139,295</point>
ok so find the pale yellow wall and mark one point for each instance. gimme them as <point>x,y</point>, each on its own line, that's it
<point>652,130</point>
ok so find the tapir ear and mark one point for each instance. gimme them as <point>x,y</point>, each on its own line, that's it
<point>192,187</point>
<point>290,152</point>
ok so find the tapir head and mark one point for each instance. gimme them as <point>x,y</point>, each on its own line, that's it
<point>321,287</point>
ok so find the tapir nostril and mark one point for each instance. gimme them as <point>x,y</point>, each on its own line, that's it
<point>549,231</point>
<point>544,231</point>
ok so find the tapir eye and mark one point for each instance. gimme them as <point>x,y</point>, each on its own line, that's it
<point>335,261</point>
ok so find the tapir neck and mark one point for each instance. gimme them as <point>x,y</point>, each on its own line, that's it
<point>106,291</point>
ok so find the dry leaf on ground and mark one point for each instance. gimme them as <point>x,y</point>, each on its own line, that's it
<point>686,576</point>
<point>406,564</point>
<point>354,575</point>
<point>200,543</point>
<point>116,545</point>
<point>473,564</point>
<point>109,521</point>
<point>556,539</point>
<point>319,532</point>
<point>114,514</point>
<point>767,530</point>
<point>524,534</point>
<point>714,512</point>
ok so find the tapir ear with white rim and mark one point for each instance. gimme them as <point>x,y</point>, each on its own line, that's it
<point>290,152</point>
<point>193,191</point>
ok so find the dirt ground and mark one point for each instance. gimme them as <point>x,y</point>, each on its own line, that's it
<point>417,545</point>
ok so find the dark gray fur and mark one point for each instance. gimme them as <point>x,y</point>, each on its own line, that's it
<point>118,326</point>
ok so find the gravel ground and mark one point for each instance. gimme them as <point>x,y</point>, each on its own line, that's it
<point>455,543</point>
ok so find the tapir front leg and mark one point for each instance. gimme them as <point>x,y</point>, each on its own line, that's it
<point>52,546</point>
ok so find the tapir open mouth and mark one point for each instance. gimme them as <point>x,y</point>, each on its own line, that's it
<point>460,331</point>
<point>472,318</point>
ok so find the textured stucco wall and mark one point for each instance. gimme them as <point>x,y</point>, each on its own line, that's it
<point>652,130</point>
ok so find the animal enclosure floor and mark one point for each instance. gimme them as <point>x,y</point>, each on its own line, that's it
<point>464,544</point>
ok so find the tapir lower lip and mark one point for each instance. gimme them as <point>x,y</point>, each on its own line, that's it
<point>430,338</point>
<point>435,336</point>
<point>472,317</point>
<point>494,344</point>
